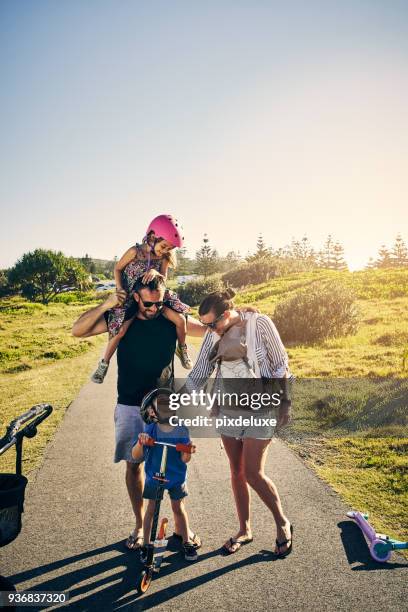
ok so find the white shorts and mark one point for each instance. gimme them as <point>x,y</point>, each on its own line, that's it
<point>258,432</point>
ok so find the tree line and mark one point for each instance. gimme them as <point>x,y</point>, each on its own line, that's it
<point>43,274</point>
<point>298,256</point>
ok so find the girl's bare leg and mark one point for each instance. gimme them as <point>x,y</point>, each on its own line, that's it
<point>179,321</point>
<point>234,450</point>
<point>254,456</point>
<point>114,342</point>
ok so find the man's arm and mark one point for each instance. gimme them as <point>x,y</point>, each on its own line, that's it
<point>92,322</point>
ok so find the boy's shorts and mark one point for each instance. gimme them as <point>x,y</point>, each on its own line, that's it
<point>177,492</point>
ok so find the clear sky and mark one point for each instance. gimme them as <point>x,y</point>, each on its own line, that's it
<point>239,117</point>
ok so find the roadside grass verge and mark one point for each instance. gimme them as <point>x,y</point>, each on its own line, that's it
<point>40,361</point>
<point>370,474</point>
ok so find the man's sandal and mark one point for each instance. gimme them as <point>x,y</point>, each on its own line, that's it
<point>282,543</point>
<point>234,544</point>
<point>134,542</point>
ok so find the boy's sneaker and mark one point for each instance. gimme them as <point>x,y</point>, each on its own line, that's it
<point>182,354</point>
<point>143,554</point>
<point>100,372</point>
<point>190,551</point>
<point>195,540</point>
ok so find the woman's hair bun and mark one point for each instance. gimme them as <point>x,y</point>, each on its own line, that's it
<point>229,293</point>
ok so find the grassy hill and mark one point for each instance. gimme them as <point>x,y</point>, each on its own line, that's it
<point>350,415</point>
<point>378,347</point>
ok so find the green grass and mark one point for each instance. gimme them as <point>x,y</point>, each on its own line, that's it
<point>350,420</point>
<point>370,474</point>
<point>40,361</point>
<point>378,347</point>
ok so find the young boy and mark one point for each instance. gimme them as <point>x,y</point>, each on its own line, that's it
<point>156,412</point>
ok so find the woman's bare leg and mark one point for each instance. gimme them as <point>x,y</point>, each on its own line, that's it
<point>254,457</point>
<point>234,450</point>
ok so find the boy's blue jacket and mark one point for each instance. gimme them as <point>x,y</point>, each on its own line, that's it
<point>176,470</point>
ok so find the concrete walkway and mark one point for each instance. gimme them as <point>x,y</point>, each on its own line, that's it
<point>77,516</point>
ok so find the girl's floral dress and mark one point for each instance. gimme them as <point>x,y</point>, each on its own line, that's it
<point>136,268</point>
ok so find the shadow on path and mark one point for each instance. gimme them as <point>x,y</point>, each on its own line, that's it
<point>357,551</point>
<point>111,583</point>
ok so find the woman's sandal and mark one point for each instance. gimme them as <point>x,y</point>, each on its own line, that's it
<point>282,543</point>
<point>134,542</point>
<point>236,543</point>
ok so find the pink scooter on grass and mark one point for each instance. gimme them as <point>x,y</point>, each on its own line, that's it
<point>380,545</point>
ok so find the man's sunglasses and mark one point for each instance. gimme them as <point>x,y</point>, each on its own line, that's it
<point>150,304</point>
<point>213,323</point>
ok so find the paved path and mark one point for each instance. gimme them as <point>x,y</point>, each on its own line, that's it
<point>77,515</point>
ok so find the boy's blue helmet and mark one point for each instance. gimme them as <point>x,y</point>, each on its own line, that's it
<point>150,412</point>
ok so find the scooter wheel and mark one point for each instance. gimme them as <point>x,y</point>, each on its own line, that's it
<point>380,551</point>
<point>145,579</point>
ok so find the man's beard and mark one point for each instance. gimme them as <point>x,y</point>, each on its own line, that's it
<point>151,315</point>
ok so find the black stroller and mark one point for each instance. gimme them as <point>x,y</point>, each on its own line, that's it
<point>12,486</point>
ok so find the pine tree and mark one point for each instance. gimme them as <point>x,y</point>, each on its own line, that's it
<point>303,252</point>
<point>231,260</point>
<point>339,262</point>
<point>331,256</point>
<point>399,253</point>
<point>185,265</point>
<point>326,255</point>
<point>262,251</point>
<point>206,259</point>
<point>384,258</point>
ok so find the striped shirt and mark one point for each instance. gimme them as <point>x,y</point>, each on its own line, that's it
<point>271,354</point>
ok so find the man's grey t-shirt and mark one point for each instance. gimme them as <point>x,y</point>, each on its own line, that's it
<point>145,350</point>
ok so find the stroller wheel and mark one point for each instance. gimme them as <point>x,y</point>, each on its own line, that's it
<point>145,579</point>
<point>6,585</point>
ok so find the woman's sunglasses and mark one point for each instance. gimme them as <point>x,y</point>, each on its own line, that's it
<point>213,323</point>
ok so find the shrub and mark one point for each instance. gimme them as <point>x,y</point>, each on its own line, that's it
<point>195,291</point>
<point>250,274</point>
<point>317,313</point>
<point>74,297</point>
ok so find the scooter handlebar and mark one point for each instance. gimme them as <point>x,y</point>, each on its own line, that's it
<point>185,448</point>
<point>182,448</point>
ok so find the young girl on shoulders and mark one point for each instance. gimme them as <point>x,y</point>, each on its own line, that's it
<point>153,256</point>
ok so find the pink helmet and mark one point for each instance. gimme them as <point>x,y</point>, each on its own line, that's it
<point>167,227</point>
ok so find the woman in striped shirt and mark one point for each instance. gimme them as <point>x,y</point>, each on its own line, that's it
<point>246,447</point>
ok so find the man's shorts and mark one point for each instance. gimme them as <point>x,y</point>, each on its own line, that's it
<point>128,425</point>
<point>177,492</point>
